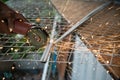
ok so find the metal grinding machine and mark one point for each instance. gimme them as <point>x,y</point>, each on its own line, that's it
<point>36,35</point>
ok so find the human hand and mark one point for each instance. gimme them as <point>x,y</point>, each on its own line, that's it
<point>8,18</point>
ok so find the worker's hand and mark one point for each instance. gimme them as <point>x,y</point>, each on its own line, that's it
<point>8,18</point>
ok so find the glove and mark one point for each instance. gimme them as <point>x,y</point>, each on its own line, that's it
<point>8,18</point>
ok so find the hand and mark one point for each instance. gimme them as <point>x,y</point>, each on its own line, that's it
<point>8,17</point>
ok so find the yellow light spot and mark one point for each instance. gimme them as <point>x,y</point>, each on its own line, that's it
<point>106,23</point>
<point>108,62</point>
<point>16,50</point>
<point>110,7</point>
<point>11,49</point>
<point>82,38</point>
<point>91,19</point>
<point>107,71</point>
<point>2,21</point>
<point>69,63</point>
<point>20,20</point>
<point>38,20</point>
<point>10,29</point>
<point>96,55</point>
<point>51,41</point>
<point>100,25</point>
<point>92,36</point>
<point>3,78</point>
<point>27,41</point>
<point>17,11</point>
<point>45,27</point>
<point>13,67</point>
<point>1,47</point>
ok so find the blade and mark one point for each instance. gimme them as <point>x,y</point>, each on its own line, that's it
<point>37,37</point>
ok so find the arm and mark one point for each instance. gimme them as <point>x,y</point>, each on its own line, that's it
<point>8,17</point>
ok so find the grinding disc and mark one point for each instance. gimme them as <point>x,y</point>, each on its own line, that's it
<point>37,37</point>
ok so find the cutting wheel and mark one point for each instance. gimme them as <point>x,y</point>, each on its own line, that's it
<point>37,37</point>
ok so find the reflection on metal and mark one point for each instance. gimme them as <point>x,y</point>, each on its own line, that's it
<point>48,47</point>
<point>83,20</point>
<point>46,54</point>
<point>44,75</point>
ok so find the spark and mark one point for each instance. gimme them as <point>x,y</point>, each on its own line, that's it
<point>108,62</point>
<point>10,29</point>
<point>12,49</point>
<point>2,21</point>
<point>106,23</point>
<point>1,47</point>
<point>107,71</point>
<point>38,20</point>
<point>20,20</point>
<point>13,67</point>
<point>3,78</point>
<point>16,50</point>
<point>17,11</point>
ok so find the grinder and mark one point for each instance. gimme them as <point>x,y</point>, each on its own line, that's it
<point>36,35</point>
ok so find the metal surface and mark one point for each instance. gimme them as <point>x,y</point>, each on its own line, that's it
<point>51,41</point>
<point>44,75</point>
<point>75,10</point>
<point>101,35</point>
<point>96,10</point>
